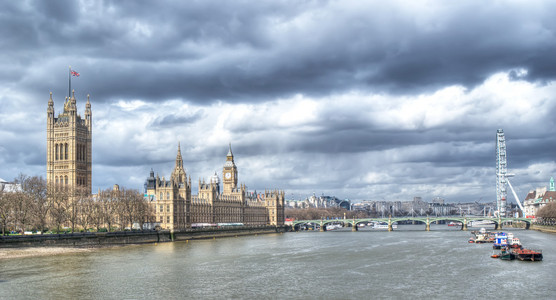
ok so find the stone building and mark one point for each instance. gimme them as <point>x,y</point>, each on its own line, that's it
<point>538,198</point>
<point>175,206</point>
<point>68,145</point>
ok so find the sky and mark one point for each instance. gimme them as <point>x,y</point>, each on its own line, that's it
<point>362,100</point>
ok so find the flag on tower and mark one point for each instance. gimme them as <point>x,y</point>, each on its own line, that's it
<point>73,73</point>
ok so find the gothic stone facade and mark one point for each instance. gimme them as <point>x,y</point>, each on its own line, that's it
<point>68,145</point>
<point>176,208</point>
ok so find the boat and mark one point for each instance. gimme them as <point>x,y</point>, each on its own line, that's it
<point>506,254</point>
<point>524,254</point>
<point>500,240</point>
<point>454,224</point>
<point>514,242</point>
<point>333,226</point>
<point>480,223</point>
<point>383,226</point>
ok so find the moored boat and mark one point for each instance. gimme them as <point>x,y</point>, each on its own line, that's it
<point>527,254</point>
<point>480,223</point>
<point>384,226</point>
<point>514,243</point>
<point>500,240</point>
<point>505,254</point>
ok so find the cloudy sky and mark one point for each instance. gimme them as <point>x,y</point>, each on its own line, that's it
<point>366,100</point>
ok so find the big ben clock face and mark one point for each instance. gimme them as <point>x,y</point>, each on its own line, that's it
<point>228,175</point>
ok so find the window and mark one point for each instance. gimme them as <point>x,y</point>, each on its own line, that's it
<point>161,208</point>
<point>161,219</point>
<point>66,151</point>
<point>168,219</point>
<point>56,152</point>
<point>168,208</point>
<point>167,196</point>
<point>161,198</point>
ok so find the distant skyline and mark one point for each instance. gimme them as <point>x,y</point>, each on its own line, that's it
<point>364,100</point>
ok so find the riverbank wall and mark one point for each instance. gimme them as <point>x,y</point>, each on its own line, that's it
<point>95,239</point>
<point>544,228</point>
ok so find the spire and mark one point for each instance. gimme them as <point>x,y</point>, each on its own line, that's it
<point>230,151</point>
<point>73,97</point>
<point>178,175</point>
<point>552,188</point>
<point>179,160</point>
<point>50,109</point>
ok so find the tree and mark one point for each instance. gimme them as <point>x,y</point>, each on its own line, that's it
<point>142,210</point>
<point>59,201</point>
<point>548,211</point>
<point>97,213</point>
<point>40,206</point>
<point>5,210</point>
<point>108,205</point>
<point>87,210</point>
<point>21,203</point>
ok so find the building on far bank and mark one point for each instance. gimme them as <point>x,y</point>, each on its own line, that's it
<point>319,202</point>
<point>538,198</point>
<point>175,206</point>
<point>9,187</point>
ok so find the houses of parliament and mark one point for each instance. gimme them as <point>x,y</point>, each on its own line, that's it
<point>174,207</point>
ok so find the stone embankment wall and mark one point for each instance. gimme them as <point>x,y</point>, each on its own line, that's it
<point>93,239</point>
<point>544,228</point>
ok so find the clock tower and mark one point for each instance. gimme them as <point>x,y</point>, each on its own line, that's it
<point>229,173</point>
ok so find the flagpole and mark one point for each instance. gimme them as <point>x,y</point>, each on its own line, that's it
<point>69,79</point>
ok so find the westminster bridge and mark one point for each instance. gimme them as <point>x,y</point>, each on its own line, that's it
<point>427,221</point>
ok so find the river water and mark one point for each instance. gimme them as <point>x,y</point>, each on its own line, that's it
<point>406,263</point>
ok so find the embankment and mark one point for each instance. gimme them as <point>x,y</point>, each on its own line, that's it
<point>93,239</point>
<point>544,228</point>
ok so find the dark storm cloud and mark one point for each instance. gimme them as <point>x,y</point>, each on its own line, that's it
<point>175,120</point>
<point>206,73</point>
<point>235,51</point>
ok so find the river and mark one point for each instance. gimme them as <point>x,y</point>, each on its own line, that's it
<point>406,263</point>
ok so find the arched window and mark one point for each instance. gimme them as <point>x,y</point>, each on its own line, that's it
<point>66,151</point>
<point>167,196</point>
<point>56,179</point>
<point>56,157</point>
<point>66,178</point>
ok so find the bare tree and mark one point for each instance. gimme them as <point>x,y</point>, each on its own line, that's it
<point>127,204</point>
<point>59,201</point>
<point>21,203</point>
<point>108,201</point>
<point>36,188</point>
<point>97,215</point>
<point>6,215</point>
<point>87,211</point>
<point>142,210</point>
<point>548,212</point>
